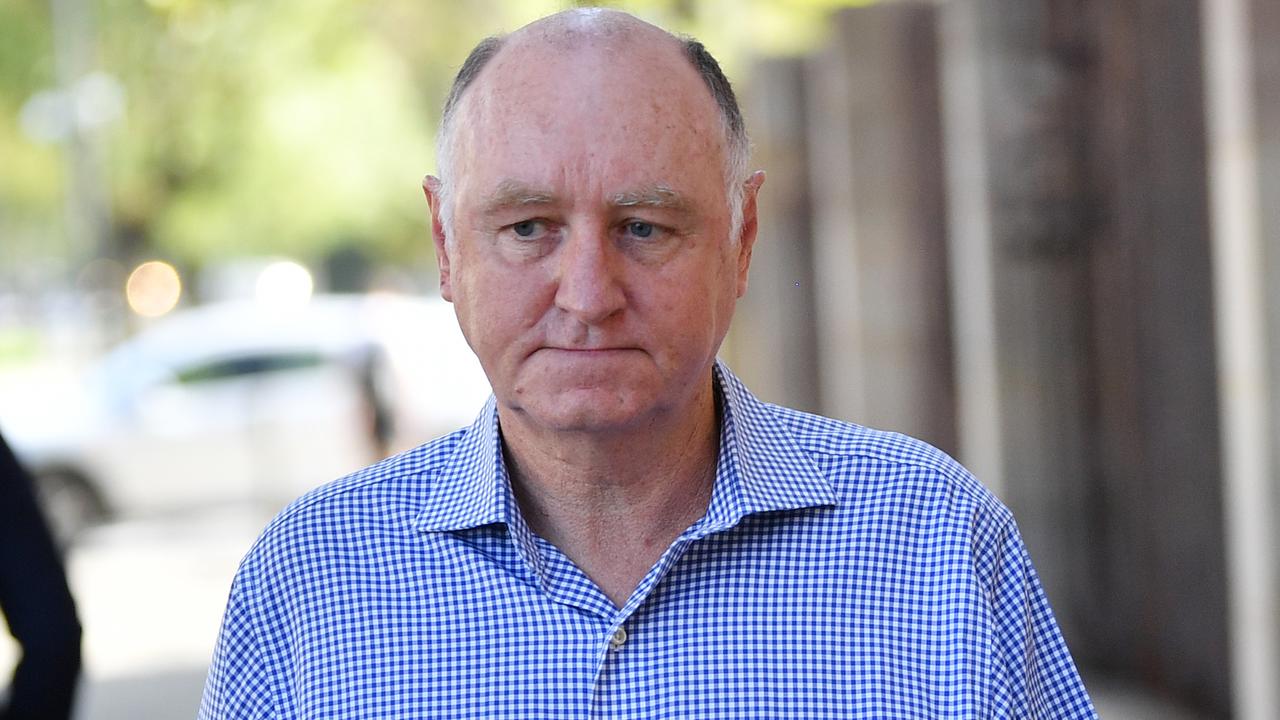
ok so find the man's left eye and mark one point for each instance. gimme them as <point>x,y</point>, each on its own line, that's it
<point>527,228</point>
<point>640,229</point>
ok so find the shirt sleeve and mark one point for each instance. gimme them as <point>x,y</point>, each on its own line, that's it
<point>240,681</point>
<point>1040,678</point>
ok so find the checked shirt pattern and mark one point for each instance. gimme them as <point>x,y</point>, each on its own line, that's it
<point>839,572</point>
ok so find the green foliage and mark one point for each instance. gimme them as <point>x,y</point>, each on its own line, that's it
<point>275,127</point>
<point>286,126</point>
<point>30,175</point>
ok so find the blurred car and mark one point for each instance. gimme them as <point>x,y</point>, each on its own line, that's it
<point>232,402</point>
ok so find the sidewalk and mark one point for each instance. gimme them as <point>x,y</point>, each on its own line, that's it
<point>1116,700</point>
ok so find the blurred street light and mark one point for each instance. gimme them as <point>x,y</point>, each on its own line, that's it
<point>153,289</point>
<point>283,285</point>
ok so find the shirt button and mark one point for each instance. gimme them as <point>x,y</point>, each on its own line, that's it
<point>619,639</point>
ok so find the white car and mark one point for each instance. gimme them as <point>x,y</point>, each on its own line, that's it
<point>229,402</point>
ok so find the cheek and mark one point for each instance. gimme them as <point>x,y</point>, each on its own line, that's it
<point>473,306</point>
<point>495,307</point>
<point>691,315</point>
<point>474,285</point>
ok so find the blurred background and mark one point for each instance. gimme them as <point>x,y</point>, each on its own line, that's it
<point>1041,234</point>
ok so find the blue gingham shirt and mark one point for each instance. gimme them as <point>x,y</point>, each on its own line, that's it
<point>839,572</point>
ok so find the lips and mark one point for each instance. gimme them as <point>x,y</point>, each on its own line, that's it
<point>590,350</point>
<point>558,353</point>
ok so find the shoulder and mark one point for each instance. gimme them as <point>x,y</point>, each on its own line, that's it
<point>827,436</point>
<point>402,477</point>
<point>858,459</point>
<point>379,501</point>
<point>933,523</point>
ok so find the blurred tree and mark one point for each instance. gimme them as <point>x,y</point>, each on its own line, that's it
<point>286,127</point>
<point>30,174</point>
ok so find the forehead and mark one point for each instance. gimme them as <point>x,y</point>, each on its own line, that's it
<point>607,112</point>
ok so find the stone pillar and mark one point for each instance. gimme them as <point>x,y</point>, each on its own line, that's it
<point>1084,315</point>
<point>880,223</point>
<point>773,345</point>
<point>1242,62</point>
<point>1161,536</point>
<point>1020,215</point>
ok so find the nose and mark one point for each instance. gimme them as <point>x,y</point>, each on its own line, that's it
<point>590,285</point>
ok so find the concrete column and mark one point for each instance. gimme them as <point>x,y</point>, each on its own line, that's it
<point>1019,270</point>
<point>880,223</point>
<point>1242,62</point>
<point>773,345</point>
<point>1160,542</point>
<point>1084,314</point>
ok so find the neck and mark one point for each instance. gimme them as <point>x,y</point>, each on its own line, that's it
<point>613,502</point>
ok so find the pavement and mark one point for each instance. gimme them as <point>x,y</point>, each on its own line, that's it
<point>151,595</point>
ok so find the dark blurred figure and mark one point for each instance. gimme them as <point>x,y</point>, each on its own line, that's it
<point>36,603</point>
<point>369,366</point>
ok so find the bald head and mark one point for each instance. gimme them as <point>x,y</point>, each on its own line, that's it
<point>595,37</point>
<point>571,28</point>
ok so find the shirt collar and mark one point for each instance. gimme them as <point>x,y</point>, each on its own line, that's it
<point>759,469</point>
<point>471,488</point>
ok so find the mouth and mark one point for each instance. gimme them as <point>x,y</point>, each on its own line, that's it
<point>589,351</point>
<point>586,354</point>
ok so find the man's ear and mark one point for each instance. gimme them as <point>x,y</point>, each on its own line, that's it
<point>750,224</point>
<point>431,188</point>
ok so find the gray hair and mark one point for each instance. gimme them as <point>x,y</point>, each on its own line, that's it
<point>737,144</point>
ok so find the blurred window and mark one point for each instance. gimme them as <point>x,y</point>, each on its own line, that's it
<point>247,365</point>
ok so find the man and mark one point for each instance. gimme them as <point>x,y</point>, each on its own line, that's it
<point>625,532</point>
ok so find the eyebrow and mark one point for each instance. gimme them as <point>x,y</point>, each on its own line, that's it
<point>513,193</point>
<point>656,196</point>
